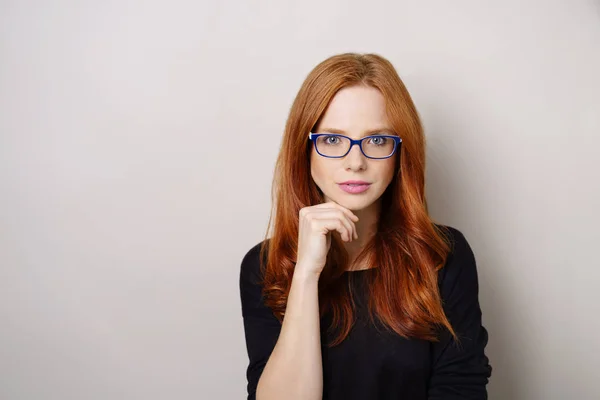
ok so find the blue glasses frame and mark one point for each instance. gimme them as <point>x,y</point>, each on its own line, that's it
<point>397,144</point>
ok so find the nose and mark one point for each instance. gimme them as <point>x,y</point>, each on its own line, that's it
<point>355,159</point>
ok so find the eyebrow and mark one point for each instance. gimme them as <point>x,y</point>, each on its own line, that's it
<point>379,131</point>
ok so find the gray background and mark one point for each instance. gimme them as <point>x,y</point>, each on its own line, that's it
<point>137,145</point>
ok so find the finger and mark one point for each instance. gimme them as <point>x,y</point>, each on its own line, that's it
<point>351,215</point>
<point>338,206</point>
<point>334,224</point>
<point>343,214</point>
<point>330,213</point>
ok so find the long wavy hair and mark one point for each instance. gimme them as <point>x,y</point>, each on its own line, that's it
<point>408,248</point>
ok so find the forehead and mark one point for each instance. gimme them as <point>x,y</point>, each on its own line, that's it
<point>356,111</point>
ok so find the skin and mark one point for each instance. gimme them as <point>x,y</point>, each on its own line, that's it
<point>354,111</point>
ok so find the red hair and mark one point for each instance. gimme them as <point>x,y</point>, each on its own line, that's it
<point>408,248</point>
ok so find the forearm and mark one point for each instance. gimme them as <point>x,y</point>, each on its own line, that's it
<point>294,369</point>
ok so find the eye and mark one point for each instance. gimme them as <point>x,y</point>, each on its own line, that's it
<point>378,141</point>
<point>327,140</point>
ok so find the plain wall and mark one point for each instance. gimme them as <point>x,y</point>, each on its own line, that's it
<point>137,146</point>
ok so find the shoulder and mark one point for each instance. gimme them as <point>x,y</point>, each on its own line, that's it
<point>250,268</point>
<point>251,285</point>
<point>459,245</point>
<point>460,269</point>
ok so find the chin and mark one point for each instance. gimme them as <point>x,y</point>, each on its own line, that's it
<point>352,202</point>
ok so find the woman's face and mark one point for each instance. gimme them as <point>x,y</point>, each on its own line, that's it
<point>354,111</point>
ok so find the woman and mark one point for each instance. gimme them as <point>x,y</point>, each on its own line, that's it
<point>358,294</point>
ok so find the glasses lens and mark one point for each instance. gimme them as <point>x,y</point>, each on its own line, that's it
<point>332,145</point>
<point>378,146</point>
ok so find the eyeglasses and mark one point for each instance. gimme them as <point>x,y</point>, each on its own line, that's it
<point>333,145</point>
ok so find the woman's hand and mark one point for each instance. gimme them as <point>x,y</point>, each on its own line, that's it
<point>314,234</point>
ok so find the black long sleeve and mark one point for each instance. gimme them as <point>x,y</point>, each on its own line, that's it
<point>260,324</point>
<point>460,371</point>
<point>371,364</point>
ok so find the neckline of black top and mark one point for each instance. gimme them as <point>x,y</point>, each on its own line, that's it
<point>353,271</point>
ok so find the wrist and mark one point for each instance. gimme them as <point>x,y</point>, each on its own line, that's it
<point>304,274</point>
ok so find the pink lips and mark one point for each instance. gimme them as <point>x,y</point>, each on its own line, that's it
<point>354,188</point>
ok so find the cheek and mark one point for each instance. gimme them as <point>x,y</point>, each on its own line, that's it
<point>316,167</point>
<point>388,170</point>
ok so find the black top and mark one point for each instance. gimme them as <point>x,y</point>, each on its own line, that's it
<point>377,364</point>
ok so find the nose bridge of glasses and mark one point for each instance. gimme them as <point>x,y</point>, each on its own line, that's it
<point>358,143</point>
